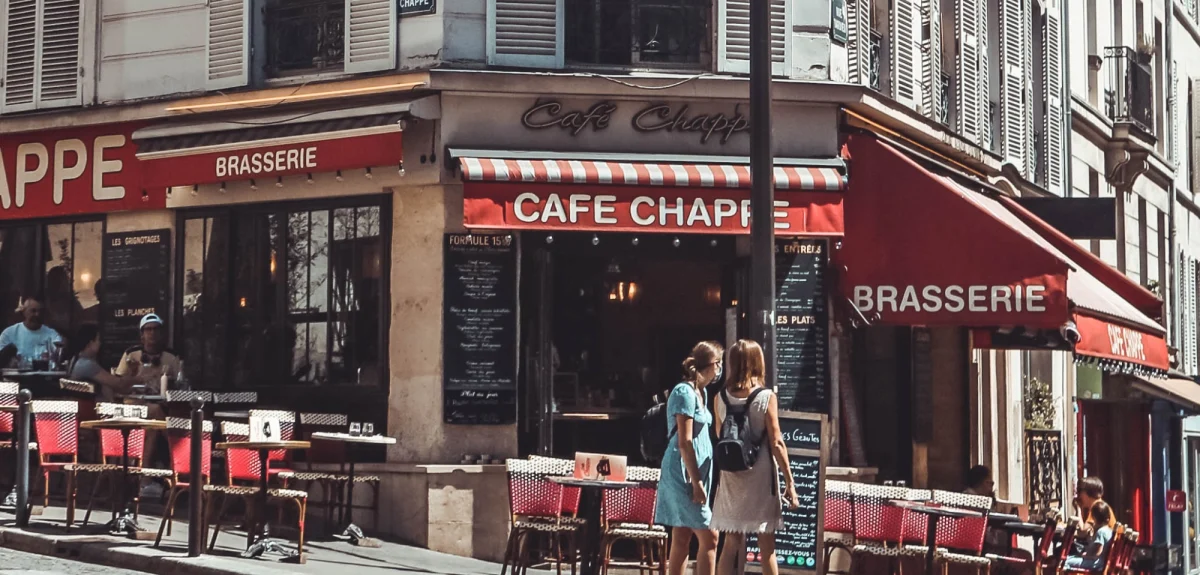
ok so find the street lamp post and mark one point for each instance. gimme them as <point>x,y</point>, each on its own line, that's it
<point>762,193</point>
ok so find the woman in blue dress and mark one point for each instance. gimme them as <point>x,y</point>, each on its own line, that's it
<point>687,464</point>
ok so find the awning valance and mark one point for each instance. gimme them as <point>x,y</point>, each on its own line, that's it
<point>923,249</point>
<point>643,193</point>
<point>1179,390</point>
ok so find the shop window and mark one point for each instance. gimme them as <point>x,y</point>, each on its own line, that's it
<point>60,262</point>
<point>304,36</point>
<point>637,32</point>
<point>284,296</point>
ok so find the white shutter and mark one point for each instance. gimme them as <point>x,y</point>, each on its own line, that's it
<point>984,71</point>
<point>59,50</point>
<point>931,73</point>
<point>370,35</point>
<point>1014,124</point>
<point>1190,319</point>
<point>20,55</point>
<point>733,37</point>
<point>858,44</point>
<point>1052,85</point>
<point>904,52</point>
<point>228,51</point>
<point>1194,134</point>
<point>1176,130</point>
<point>970,74</point>
<point>525,33</point>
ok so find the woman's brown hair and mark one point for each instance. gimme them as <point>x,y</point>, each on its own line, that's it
<point>746,366</point>
<point>703,355</point>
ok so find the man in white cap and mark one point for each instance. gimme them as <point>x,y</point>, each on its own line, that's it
<point>147,363</point>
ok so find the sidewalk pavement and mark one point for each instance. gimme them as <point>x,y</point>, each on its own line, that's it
<point>46,535</point>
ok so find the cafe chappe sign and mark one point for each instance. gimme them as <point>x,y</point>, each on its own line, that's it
<point>658,117</point>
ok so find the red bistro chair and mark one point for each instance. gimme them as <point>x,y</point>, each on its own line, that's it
<point>629,514</point>
<point>916,525</point>
<point>1055,561</point>
<point>571,495</point>
<point>57,426</point>
<point>112,450</point>
<point>878,525</point>
<point>179,438</point>
<point>329,453</point>
<point>959,540</point>
<point>839,519</point>
<point>535,504</point>
<point>278,460</point>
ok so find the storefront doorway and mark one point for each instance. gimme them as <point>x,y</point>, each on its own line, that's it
<point>1191,466</point>
<point>606,321</point>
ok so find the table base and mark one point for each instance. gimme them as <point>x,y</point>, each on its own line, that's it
<point>123,523</point>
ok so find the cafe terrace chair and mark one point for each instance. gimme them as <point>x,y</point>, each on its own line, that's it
<point>571,495</point>
<point>328,454</point>
<point>1117,554</point>
<point>839,520</point>
<point>1055,561</point>
<point>916,525</point>
<point>112,450</point>
<point>959,540</point>
<point>179,438</point>
<point>628,513</point>
<point>57,426</point>
<point>878,525</point>
<point>242,480</point>
<point>278,460</point>
<point>8,398</point>
<point>535,505</point>
<point>1041,554</point>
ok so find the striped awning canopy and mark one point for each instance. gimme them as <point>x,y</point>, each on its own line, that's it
<point>790,174</point>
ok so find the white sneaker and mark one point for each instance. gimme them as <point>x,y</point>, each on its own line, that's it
<point>151,491</point>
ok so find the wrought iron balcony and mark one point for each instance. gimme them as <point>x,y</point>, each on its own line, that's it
<point>304,36</point>
<point>1130,97</point>
<point>876,55</point>
<point>947,97</point>
<point>670,33</point>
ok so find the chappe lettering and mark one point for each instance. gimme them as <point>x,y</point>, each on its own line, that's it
<point>267,162</point>
<point>953,298</point>
<point>645,211</point>
<point>33,164</point>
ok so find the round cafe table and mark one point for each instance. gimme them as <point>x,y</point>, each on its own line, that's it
<point>351,441</point>
<point>934,512</point>
<point>124,522</point>
<point>258,539</point>
<point>589,509</point>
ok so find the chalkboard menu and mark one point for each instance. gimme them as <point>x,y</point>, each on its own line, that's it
<point>798,545</point>
<point>135,280</point>
<point>802,325</point>
<point>479,384</point>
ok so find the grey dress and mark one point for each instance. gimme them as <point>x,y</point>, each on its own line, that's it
<point>748,501</point>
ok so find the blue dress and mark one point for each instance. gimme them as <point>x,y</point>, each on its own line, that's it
<point>675,507</point>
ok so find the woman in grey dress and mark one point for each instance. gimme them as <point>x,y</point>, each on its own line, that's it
<point>748,501</point>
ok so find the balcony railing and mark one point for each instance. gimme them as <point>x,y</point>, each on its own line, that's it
<point>304,36</point>
<point>947,97</point>
<point>1130,97</point>
<point>876,53</point>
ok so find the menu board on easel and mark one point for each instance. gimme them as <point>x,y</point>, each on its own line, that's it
<point>479,377</point>
<point>135,270</point>
<point>799,544</point>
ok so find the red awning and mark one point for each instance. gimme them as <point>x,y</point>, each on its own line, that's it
<point>921,249</point>
<point>688,195</point>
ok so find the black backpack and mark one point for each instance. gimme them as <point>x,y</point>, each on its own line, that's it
<point>654,431</point>
<point>734,450</point>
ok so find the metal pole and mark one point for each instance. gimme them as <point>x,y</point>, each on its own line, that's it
<point>23,404</point>
<point>196,491</point>
<point>762,193</point>
<point>762,197</point>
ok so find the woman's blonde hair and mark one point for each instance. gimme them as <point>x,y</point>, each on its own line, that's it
<point>703,355</point>
<point>747,368</point>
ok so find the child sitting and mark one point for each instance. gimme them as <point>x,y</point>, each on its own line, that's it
<point>1093,555</point>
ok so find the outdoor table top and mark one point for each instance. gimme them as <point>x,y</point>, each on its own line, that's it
<point>264,445</point>
<point>602,484</point>
<point>347,438</point>
<point>232,415</point>
<point>930,508</point>
<point>995,517</point>
<point>31,373</point>
<point>140,397</point>
<point>124,423</point>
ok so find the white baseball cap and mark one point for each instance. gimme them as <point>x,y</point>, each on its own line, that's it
<point>149,319</point>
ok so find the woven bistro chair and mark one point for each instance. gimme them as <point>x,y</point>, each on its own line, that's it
<point>57,426</point>
<point>1041,554</point>
<point>278,461</point>
<point>916,525</point>
<point>242,466</point>
<point>628,513</point>
<point>112,450</point>
<point>839,520</point>
<point>179,438</point>
<point>571,495</point>
<point>332,483</point>
<point>959,541</point>
<point>535,505</point>
<point>1117,554</point>
<point>878,526</point>
<point>1055,561</point>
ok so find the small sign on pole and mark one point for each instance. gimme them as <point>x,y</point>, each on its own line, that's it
<point>416,7</point>
<point>1176,501</point>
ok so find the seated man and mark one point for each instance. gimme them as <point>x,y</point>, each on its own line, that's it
<point>31,338</point>
<point>1088,492</point>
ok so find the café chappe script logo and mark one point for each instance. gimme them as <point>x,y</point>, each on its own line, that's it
<point>658,117</point>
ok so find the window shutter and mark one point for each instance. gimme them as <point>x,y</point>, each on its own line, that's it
<point>1194,100</point>
<point>525,33</point>
<point>20,55</point>
<point>931,74</point>
<point>1176,150</point>
<point>904,52</point>
<point>1013,121</point>
<point>59,51</point>
<point>858,44</point>
<point>971,92</point>
<point>733,37</point>
<point>1191,318</point>
<point>228,51</point>
<point>370,35</point>
<point>1055,137</point>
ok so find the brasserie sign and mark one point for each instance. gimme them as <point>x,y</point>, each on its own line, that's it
<point>657,117</point>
